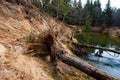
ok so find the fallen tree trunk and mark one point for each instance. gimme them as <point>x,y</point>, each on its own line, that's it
<point>60,51</point>
<point>85,67</point>
<point>95,47</point>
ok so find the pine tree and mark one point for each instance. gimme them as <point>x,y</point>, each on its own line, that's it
<point>80,12</point>
<point>89,21</point>
<point>97,13</point>
<point>108,14</point>
<point>77,12</point>
<point>61,7</point>
<point>65,8</point>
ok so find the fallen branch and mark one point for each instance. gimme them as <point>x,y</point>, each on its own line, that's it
<point>95,47</point>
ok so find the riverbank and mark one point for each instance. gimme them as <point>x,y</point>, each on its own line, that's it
<point>113,31</point>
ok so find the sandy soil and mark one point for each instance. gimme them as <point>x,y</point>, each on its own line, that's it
<point>14,25</point>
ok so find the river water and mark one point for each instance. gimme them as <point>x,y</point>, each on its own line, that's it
<point>106,61</point>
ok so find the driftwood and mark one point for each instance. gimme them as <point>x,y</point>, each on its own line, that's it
<point>59,51</point>
<point>95,47</point>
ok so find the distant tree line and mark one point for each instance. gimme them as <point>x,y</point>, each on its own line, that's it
<point>72,12</point>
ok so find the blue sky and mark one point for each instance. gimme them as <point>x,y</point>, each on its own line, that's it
<point>114,3</point>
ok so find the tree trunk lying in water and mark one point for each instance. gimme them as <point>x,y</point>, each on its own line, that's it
<point>85,67</point>
<point>95,47</point>
<point>59,51</point>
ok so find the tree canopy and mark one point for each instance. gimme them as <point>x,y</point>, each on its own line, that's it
<point>72,12</point>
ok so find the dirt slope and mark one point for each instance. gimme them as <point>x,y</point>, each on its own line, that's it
<point>16,66</point>
<point>18,21</point>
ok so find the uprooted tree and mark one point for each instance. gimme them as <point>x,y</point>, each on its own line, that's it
<point>59,51</point>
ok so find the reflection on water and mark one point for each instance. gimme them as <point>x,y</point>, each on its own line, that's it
<point>98,39</point>
<point>108,62</point>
